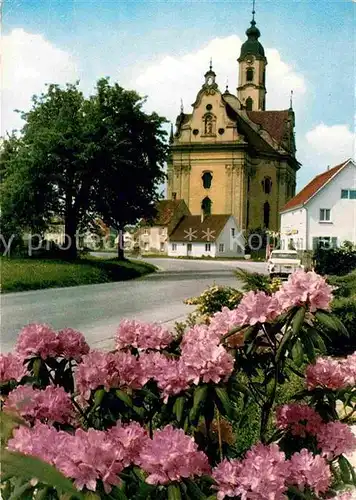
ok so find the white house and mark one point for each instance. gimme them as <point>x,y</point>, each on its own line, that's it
<point>323,213</point>
<point>210,236</point>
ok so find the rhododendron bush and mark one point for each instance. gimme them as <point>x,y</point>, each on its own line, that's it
<point>160,415</point>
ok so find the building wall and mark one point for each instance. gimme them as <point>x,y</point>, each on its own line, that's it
<point>234,245</point>
<point>153,239</point>
<point>343,211</point>
<point>226,157</point>
<point>294,229</point>
<point>180,249</point>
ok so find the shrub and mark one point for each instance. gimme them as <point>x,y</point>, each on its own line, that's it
<point>214,298</point>
<point>164,417</point>
<point>345,286</point>
<point>345,310</point>
<point>338,261</point>
<point>257,282</point>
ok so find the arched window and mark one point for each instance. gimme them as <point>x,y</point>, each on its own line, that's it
<point>266,214</point>
<point>206,206</point>
<point>267,185</point>
<point>249,104</point>
<point>207,178</point>
<point>249,75</point>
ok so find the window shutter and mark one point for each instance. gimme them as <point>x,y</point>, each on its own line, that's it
<point>334,242</point>
<point>315,243</point>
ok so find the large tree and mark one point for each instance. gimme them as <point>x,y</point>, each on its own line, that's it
<point>81,158</point>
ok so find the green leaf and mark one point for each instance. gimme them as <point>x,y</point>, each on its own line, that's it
<point>98,397</point>
<point>297,353</point>
<point>344,469</point>
<point>174,492</point>
<point>7,424</point>
<point>178,408</point>
<point>37,364</point>
<point>308,347</point>
<point>225,401</point>
<point>194,490</point>
<point>29,468</point>
<point>200,395</point>
<point>231,332</point>
<point>331,322</point>
<point>125,398</point>
<point>298,320</point>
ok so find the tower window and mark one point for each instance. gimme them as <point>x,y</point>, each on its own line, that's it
<point>249,75</point>
<point>267,185</point>
<point>266,214</point>
<point>249,104</point>
<point>206,206</point>
<point>207,178</point>
<point>174,196</point>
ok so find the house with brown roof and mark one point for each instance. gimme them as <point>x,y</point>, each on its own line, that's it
<point>230,154</point>
<point>153,237</point>
<point>210,236</point>
<point>323,213</point>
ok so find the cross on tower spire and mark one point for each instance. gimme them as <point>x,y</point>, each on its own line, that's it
<point>253,11</point>
<point>211,64</point>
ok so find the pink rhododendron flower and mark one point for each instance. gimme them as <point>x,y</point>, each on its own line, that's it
<point>22,401</point>
<point>37,340</point>
<point>52,404</point>
<point>258,307</point>
<point>203,359</point>
<point>108,370</point>
<point>41,441</point>
<point>300,419</point>
<point>263,474</point>
<point>90,456</point>
<point>72,344</point>
<point>307,470</point>
<point>305,288</point>
<point>142,335</point>
<point>328,373</point>
<point>131,437</point>
<point>336,438</point>
<point>222,322</point>
<point>172,455</point>
<point>226,476</point>
<point>12,368</point>
<point>347,495</point>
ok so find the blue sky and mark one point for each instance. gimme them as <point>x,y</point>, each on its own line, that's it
<point>162,48</point>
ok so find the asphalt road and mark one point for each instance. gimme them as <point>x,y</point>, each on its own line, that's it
<point>96,310</point>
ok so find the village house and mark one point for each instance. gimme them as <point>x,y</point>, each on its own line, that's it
<point>323,213</point>
<point>210,236</point>
<point>154,238</point>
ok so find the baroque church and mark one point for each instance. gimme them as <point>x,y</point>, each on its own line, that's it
<point>230,155</point>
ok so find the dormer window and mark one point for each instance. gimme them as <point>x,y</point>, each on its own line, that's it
<point>207,178</point>
<point>249,75</point>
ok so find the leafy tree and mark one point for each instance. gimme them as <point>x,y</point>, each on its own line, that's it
<point>81,158</point>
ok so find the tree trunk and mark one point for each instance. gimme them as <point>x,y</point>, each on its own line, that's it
<point>70,244</point>
<point>120,245</point>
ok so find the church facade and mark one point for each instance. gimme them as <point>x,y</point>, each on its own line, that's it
<point>232,156</point>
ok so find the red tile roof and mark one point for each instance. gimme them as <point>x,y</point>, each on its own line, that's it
<point>310,189</point>
<point>166,210</point>
<point>205,231</point>
<point>274,122</point>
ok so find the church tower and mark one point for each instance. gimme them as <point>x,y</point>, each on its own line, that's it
<point>229,155</point>
<point>251,91</point>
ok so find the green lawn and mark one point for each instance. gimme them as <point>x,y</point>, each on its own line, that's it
<point>31,274</point>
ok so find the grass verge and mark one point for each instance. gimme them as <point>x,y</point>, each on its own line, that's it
<point>32,274</point>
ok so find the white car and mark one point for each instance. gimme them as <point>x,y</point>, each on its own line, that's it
<point>283,263</point>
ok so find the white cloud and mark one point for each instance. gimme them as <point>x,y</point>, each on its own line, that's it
<point>28,62</point>
<point>331,144</point>
<point>173,78</point>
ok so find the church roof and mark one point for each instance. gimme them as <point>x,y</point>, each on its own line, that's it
<point>313,187</point>
<point>274,122</point>
<point>199,230</point>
